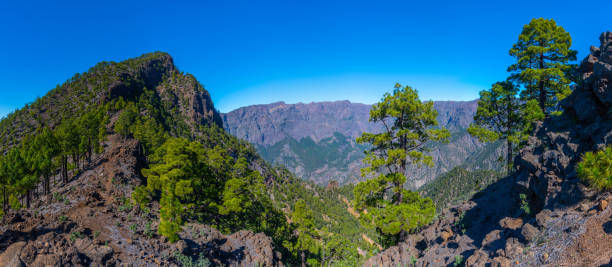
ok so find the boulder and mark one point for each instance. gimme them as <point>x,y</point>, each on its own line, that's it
<point>490,238</point>
<point>511,223</point>
<point>602,205</point>
<point>542,217</point>
<point>500,262</point>
<point>529,232</point>
<point>446,234</point>
<point>478,259</point>
<point>10,257</point>
<point>513,248</point>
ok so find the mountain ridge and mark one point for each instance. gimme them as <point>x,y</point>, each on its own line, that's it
<point>289,134</point>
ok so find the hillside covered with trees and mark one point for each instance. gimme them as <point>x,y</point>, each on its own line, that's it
<point>129,164</point>
<point>186,169</point>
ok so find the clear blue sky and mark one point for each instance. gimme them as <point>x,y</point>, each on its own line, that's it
<point>252,52</point>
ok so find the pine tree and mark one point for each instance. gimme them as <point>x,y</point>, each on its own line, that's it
<point>408,127</point>
<point>501,115</point>
<point>307,235</point>
<point>542,54</point>
<point>16,170</point>
<point>69,141</point>
<point>178,164</point>
<point>46,148</point>
<point>4,182</point>
<point>337,248</point>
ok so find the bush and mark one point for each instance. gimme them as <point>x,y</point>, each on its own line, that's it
<point>525,205</point>
<point>187,261</point>
<point>75,235</point>
<point>459,261</point>
<point>596,168</point>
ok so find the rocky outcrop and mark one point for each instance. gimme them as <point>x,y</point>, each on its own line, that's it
<point>559,221</point>
<point>546,167</point>
<point>316,141</point>
<point>184,95</point>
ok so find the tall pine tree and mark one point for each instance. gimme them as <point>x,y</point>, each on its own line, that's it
<point>501,115</point>
<point>542,55</point>
<point>409,125</point>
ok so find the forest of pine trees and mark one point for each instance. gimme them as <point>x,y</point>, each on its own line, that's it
<point>28,170</point>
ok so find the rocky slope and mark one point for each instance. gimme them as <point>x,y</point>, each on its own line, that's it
<point>542,215</point>
<point>91,221</point>
<point>88,223</point>
<point>317,141</point>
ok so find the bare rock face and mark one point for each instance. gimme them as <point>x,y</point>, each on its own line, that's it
<point>561,221</point>
<point>547,165</point>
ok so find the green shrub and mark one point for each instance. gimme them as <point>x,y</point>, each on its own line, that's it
<point>63,218</point>
<point>525,204</point>
<point>126,205</point>
<point>141,196</point>
<point>186,261</point>
<point>596,168</point>
<point>459,261</point>
<point>75,235</point>
<point>147,230</point>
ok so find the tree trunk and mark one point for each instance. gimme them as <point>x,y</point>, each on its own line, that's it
<point>89,151</point>
<point>28,193</point>
<point>4,200</point>
<point>303,259</point>
<point>46,184</point>
<point>542,99</point>
<point>400,198</point>
<point>509,156</point>
<point>65,169</point>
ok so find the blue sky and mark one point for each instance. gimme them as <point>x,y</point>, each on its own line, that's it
<point>253,52</point>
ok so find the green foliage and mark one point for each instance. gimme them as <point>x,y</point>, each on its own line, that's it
<point>501,115</point>
<point>187,261</point>
<point>75,235</point>
<point>62,218</point>
<point>382,200</point>
<point>306,246</point>
<point>148,232</point>
<point>457,185</point>
<point>126,120</point>
<point>337,250</point>
<point>596,168</point>
<point>125,205</point>
<point>141,196</point>
<point>206,183</point>
<point>542,54</point>
<point>330,216</point>
<point>459,261</point>
<point>331,151</point>
<point>413,261</point>
<point>525,205</point>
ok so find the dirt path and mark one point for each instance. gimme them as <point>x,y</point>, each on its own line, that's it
<point>594,247</point>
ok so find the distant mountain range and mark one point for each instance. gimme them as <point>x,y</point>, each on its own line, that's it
<point>317,140</point>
